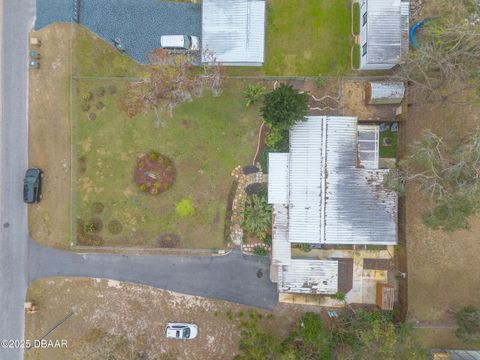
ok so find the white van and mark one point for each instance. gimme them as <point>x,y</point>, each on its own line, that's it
<point>180,42</point>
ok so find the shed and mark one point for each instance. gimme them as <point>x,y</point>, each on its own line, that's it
<point>385,296</point>
<point>384,93</point>
<point>234,31</point>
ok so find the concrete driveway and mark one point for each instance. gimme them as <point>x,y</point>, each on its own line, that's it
<point>139,24</point>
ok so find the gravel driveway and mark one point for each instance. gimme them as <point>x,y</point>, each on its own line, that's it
<point>139,24</point>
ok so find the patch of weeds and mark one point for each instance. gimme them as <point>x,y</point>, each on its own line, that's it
<point>252,315</point>
<point>115,227</point>
<point>229,315</point>
<point>269,316</point>
<point>100,91</point>
<point>85,106</point>
<point>320,82</point>
<point>168,240</point>
<point>215,313</point>
<point>240,314</point>
<point>97,207</point>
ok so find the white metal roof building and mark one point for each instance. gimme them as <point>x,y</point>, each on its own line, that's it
<point>234,31</point>
<point>384,92</point>
<point>309,277</point>
<point>328,198</point>
<point>383,33</point>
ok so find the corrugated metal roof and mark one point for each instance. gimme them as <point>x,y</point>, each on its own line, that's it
<point>281,247</point>
<point>278,178</point>
<point>387,31</point>
<point>391,92</point>
<point>309,277</point>
<point>234,30</point>
<point>306,180</point>
<point>460,354</point>
<point>331,200</point>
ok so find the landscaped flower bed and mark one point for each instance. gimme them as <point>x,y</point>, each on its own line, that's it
<point>154,173</point>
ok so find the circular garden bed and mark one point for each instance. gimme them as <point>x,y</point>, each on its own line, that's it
<point>154,173</point>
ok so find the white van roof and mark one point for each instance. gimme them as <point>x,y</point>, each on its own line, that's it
<point>172,41</point>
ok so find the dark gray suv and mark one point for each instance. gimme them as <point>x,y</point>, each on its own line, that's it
<point>32,186</point>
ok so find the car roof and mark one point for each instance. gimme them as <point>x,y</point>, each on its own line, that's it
<point>173,41</point>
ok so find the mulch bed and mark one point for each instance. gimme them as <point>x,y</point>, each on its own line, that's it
<point>154,176</point>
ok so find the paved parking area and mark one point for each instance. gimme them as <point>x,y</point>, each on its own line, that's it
<point>139,24</point>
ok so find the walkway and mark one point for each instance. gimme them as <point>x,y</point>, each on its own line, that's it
<point>138,24</point>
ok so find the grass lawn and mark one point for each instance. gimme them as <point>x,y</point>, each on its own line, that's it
<point>305,38</point>
<point>206,139</point>
<point>388,151</point>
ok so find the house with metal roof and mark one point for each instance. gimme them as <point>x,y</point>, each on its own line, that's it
<point>234,31</point>
<point>383,33</point>
<point>327,190</point>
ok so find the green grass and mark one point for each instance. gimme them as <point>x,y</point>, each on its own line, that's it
<point>305,38</point>
<point>391,150</point>
<point>94,57</point>
<point>356,18</point>
<point>206,139</point>
<point>356,56</point>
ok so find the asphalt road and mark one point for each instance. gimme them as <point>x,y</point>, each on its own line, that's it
<point>235,277</point>
<point>17,19</point>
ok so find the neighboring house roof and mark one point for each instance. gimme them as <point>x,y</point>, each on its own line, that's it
<point>384,92</point>
<point>309,277</point>
<point>456,354</point>
<point>387,31</point>
<point>234,30</point>
<point>330,199</point>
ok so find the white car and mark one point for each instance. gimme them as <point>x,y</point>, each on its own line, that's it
<point>180,42</point>
<point>181,331</point>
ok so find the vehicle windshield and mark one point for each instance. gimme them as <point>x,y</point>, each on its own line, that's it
<point>186,333</point>
<point>187,42</point>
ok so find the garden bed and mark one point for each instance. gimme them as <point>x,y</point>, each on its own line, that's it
<point>204,140</point>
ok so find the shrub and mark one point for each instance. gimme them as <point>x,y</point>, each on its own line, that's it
<point>263,160</point>
<point>184,208</point>
<point>215,313</point>
<point>340,296</point>
<point>451,215</point>
<point>260,251</point>
<point>100,91</point>
<point>229,315</point>
<point>240,314</point>
<point>94,225</point>
<point>115,227</point>
<point>320,82</point>
<point>153,155</point>
<point>100,105</point>
<point>277,140</point>
<point>92,116</point>
<point>253,93</point>
<point>468,321</point>
<point>85,106</point>
<point>143,187</point>
<point>305,247</point>
<point>87,96</point>
<point>257,215</point>
<point>267,240</point>
<point>284,106</point>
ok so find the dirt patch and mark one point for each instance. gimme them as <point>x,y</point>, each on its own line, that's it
<point>107,311</point>
<point>49,136</point>
<point>443,267</point>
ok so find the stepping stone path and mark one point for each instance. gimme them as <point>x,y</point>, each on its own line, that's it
<point>236,231</point>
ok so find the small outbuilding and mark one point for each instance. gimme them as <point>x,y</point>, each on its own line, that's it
<point>384,93</point>
<point>234,31</point>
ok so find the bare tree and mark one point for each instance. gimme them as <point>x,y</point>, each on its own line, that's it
<point>447,60</point>
<point>170,79</point>
<point>446,171</point>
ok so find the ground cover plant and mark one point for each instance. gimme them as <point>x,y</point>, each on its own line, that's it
<point>204,140</point>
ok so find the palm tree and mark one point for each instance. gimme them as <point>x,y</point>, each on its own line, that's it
<point>257,215</point>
